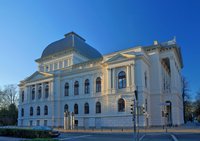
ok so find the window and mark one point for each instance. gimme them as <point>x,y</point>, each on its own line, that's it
<point>122,80</point>
<point>66,89</point>
<point>66,108</point>
<point>39,92</point>
<point>145,79</point>
<point>75,108</point>
<point>38,110</point>
<point>121,105</point>
<point>38,122</point>
<point>45,110</point>
<point>45,122</point>
<point>86,108</point>
<point>31,123</point>
<point>76,87</point>
<point>33,93</point>
<point>22,96</point>
<point>22,112</point>
<point>87,86</point>
<point>98,107</point>
<point>46,91</point>
<point>31,111</point>
<point>98,84</point>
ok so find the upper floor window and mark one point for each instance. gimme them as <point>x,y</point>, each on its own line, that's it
<point>39,92</point>
<point>122,80</point>
<point>66,108</point>
<point>66,89</point>
<point>76,88</point>
<point>38,110</point>
<point>98,84</point>
<point>46,91</point>
<point>33,93</point>
<point>75,108</point>
<point>22,96</point>
<point>31,111</point>
<point>87,86</point>
<point>86,108</point>
<point>22,112</point>
<point>98,107</point>
<point>45,110</point>
<point>121,105</point>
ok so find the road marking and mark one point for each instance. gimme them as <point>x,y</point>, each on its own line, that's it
<point>75,137</point>
<point>141,137</point>
<point>174,138</point>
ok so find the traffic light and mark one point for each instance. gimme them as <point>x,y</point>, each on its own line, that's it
<point>132,110</point>
<point>143,110</point>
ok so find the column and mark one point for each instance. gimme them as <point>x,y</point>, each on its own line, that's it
<point>133,76</point>
<point>113,79</point>
<point>108,79</point>
<point>128,76</point>
<point>173,75</point>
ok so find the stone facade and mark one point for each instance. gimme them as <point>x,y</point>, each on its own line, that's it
<point>103,100</point>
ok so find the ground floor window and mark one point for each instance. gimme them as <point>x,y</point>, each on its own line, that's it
<point>76,123</point>
<point>45,122</point>
<point>31,123</point>
<point>38,122</point>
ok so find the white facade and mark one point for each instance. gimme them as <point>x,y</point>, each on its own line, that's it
<point>154,71</point>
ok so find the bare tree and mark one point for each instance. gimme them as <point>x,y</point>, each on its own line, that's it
<point>186,98</point>
<point>9,95</point>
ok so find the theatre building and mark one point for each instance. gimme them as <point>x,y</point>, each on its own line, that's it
<point>97,90</point>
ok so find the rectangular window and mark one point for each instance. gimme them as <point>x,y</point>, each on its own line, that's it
<point>55,66</point>
<point>65,63</point>
<point>45,122</point>
<point>31,123</point>
<point>38,122</point>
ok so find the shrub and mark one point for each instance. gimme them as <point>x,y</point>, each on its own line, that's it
<point>24,133</point>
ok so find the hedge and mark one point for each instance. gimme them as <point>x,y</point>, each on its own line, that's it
<point>24,133</point>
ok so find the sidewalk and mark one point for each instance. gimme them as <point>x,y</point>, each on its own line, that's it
<point>181,129</point>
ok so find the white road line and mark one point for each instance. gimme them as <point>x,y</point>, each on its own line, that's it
<point>174,138</point>
<point>140,139</point>
<point>74,137</point>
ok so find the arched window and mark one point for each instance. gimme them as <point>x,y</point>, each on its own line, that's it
<point>22,96</point>
<point>87,86</point>
<point>66,108</point>
<point>76,88</point>
<point>86,108</point>
<point>38,110</point>
<point>22,112</point>
<point>31,111</point>
<point>33,93</point>
<point>46,91</point>
<point>122,80</point>
<point>39,92</point>
<point>66,89</point>
<point>98,107</point>
<point>121,105</point>
<point>75,108</point>
<point>45,110</point>
<point>98,84</point>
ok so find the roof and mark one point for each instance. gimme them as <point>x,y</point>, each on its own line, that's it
<point>72,41</point>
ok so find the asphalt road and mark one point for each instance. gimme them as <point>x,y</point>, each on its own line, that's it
<point>130,137</point>
<point>121,137</point>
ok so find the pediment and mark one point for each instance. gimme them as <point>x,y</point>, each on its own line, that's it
<point>38,76</point>
<point>120,57</point>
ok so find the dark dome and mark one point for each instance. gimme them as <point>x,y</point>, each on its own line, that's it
<point>72,41</point>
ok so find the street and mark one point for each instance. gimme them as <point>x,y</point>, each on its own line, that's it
<point>130,137</point>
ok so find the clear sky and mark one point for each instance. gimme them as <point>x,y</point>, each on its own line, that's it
<point>28,26</point>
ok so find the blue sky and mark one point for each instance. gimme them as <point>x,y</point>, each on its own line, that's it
<point>28,26</point>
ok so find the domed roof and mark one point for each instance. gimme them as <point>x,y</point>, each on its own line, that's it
<point>72,41</point>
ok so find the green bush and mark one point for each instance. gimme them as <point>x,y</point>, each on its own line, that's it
<point>24,133</point>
